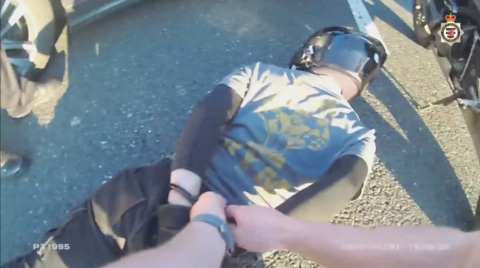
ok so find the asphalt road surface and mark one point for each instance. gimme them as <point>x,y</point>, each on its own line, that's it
<point>133,78</point>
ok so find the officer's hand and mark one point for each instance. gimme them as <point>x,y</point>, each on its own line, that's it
<point>209,203</point>
<point>259,229</point>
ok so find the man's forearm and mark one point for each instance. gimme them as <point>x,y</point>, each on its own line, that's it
<point>199,140</point>
<point>394,247</point>
<point>201,136</point>
<point>199,245</point>
<point>326,197</point>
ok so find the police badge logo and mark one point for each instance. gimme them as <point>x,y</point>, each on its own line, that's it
<point>451,31</point>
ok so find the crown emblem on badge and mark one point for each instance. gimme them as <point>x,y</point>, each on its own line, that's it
<point>450,32</point>
<point>450,18</point>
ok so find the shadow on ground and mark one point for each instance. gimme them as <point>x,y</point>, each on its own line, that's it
<point>415,159</point>
<point>378,9</point>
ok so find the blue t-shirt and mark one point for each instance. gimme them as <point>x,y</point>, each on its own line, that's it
<point>291,127</point>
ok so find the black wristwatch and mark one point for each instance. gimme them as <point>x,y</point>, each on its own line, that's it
<point>222,227</point>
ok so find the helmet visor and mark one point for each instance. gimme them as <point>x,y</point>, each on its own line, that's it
<point>351,52</point>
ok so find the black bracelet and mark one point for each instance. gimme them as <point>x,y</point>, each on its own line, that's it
<point>192,199</point>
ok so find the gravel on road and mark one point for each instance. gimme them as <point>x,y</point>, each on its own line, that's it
<point>133,78</point>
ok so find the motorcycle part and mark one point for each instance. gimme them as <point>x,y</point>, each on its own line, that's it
<point>421,17</point>
<point>436,13</point>
<point>354,53</point>
<point>473,104</point>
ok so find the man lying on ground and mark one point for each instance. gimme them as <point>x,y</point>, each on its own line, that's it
<point>285,138</point>
<point>266,133</point>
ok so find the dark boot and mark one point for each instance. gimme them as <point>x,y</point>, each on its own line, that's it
<point>12,164</point>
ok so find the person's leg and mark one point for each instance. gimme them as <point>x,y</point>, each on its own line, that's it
<point>9,84</point>
<point>116,220</point>
<point>321,201</point>
<point>19,94</point>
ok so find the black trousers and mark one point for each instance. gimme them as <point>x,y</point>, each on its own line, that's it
<point>130,213</point>
<point>118,219</point>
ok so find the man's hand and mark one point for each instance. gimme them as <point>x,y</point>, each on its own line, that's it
<point>259,229</point>
<point>209,203</point>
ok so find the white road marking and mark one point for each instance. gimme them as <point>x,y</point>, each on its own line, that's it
<point>364,21</point>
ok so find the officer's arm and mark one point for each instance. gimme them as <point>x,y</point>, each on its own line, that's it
<point>201,136</point>
<point>333,245</point>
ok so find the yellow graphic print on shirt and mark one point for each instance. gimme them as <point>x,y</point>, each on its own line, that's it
<point>287,129</point>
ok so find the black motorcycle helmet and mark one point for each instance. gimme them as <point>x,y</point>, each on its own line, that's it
<point>341,48</point>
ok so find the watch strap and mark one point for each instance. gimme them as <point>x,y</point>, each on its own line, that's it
<point>222,227</point>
